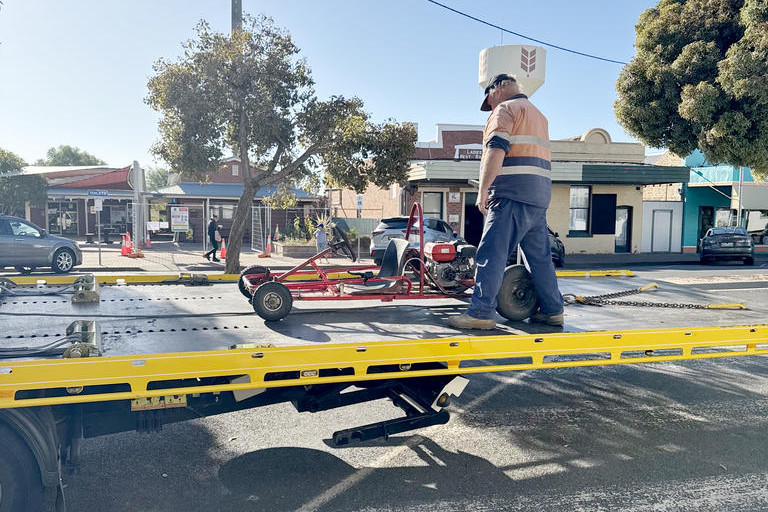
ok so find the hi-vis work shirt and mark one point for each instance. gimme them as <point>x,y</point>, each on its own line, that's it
<point>517,127</point>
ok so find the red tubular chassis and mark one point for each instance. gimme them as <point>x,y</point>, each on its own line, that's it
<point>272,294</point>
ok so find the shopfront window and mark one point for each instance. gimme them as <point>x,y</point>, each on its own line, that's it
<point>62,217</point>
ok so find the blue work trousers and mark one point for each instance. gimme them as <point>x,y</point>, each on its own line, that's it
<point>507,224</point>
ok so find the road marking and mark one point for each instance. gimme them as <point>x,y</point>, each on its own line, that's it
<point>360,475</point>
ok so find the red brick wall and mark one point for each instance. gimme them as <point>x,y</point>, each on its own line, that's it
<point>451,139</point>
<point>224,175</point>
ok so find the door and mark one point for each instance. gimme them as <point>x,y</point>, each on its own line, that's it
<point>6,242</point>
<point>473,219</point>
<point>30,248</point>
<point>623,236</point>
<point>661,231</point>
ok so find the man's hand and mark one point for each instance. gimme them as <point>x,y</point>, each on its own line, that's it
<point>490,166</point>
<point>482,201</point>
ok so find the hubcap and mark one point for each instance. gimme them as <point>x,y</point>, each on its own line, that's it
<point>64,261</point>
<point>272,301</point>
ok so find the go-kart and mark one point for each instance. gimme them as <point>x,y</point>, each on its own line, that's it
<point>408,271</point>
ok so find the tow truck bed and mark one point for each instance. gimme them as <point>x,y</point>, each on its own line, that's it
<point>171,352</point>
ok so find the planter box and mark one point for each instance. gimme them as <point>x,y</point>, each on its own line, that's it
<point>294,251</point>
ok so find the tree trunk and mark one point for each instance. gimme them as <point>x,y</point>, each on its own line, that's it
<point>235,241</point>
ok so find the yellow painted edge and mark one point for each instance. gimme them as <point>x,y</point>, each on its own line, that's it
<point>306,360</point>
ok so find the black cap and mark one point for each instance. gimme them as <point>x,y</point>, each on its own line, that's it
<point>485,107</point>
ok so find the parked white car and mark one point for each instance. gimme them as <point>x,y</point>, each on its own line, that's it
<point>435,230</point>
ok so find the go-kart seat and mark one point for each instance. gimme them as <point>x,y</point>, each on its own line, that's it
<point>392,265</point>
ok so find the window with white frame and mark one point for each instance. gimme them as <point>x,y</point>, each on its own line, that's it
<point>432,204</point>
<point>235,169</point>
<point>579,208</point>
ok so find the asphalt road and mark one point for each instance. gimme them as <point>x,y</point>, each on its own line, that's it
<point>667,436</point>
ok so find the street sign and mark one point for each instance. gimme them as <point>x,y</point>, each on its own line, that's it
<point>98,192</point>
<point>97,204</point>
<point>179,218</point>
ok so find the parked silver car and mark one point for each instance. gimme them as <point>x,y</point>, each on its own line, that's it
<point>435,230</point>
<point>26,247</point>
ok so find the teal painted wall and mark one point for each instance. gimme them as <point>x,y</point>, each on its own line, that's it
<point>695,197</point>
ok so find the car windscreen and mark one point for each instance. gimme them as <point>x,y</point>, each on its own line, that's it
<point>729,231</point>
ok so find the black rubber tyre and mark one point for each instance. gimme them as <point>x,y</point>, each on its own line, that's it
<point>272,301</point>
<point>21,488</point>
<point>63,261</point>
<point>255,269</point>
<point>516,299</point>
<point>341,245</point>
<point>25,270</point>
<point>749,261</point>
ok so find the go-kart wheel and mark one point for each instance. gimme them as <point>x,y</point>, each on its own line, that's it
<point>517,298</point>
<point>340,243</point>
<point>272,301</point>
<point>264,276</point>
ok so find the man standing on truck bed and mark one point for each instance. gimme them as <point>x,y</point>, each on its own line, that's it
<point>514,194</point>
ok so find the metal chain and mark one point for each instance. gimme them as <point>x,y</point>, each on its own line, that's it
<point>609,299</point>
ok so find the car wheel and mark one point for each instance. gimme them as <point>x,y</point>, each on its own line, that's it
<point>272,301</point>
<point>25,270</point>
<point>559,262</point>
<point>63,261</point>
<point>749,261</point>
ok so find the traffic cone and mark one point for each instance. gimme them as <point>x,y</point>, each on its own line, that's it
<point>269,244</point>
<point>277,232</point>
<point>124,247</point>
<point>148,243</point>
<point>223,254</point>
<point>128,241</point>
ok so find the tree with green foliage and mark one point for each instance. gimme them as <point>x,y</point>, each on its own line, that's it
<point>700,80</point>
<point>157,178</point>
<point>69,155</point>
<point>251,93</point>
<point>16,189</point>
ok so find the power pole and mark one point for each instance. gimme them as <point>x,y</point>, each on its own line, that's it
<point>237,16</point>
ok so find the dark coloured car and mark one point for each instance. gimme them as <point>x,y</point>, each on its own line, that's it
<point>727,243</point>
<point>555,245</point>
<point>26,246</point>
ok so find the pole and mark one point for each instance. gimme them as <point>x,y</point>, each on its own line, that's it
<point>237,16</point>
<point>741,183</point>
<point>98,233</point>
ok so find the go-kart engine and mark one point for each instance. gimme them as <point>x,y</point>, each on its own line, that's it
<point>450,262</point>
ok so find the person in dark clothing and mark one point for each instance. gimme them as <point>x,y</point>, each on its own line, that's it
<point>213,229</point>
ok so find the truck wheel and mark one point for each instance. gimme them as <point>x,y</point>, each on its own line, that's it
<point>749,261</point>
<point>272,301</point>
<point>256,269</point>
<point>20,486</point>
<point>63,261</point>
<point>516,298</point>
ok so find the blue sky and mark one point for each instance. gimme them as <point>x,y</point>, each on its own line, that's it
<point>75,71</point>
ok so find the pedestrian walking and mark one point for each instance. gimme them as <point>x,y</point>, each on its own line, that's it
<point>214,237</point>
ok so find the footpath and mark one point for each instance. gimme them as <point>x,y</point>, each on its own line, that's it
<point>167,257</point>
